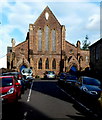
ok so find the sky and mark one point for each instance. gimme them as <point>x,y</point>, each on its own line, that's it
<point>80,17</point>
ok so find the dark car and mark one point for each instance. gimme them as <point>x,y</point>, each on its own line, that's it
<point>23,85</point>
<point>69,83</point>
<point>90,87</point>
<point>49,75</point>
<point>71,80</point>
<point>62,78</point>
<point>10,89</point>
<point>28,80</point>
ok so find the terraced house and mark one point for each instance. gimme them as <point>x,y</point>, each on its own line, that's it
<point>46,48</point>
<point>96,58</point>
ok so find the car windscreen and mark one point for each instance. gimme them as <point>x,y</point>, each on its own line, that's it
<point>7,82</point>
<point>91,81</point>
<point>50,72</point>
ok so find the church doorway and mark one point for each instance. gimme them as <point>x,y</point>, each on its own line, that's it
<point>23,66</point>
<point>73,70</point>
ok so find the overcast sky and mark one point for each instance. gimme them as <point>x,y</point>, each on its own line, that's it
<point>79,18</point>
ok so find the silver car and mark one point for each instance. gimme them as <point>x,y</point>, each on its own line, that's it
<point>49,75</point>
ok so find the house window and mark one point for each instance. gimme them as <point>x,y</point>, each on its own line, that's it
<point>53,40</point>
<point>39,40</point>
<point>47,64</point>
<point>46,38</point>
<point>40,64</point>
<point>54,64</point>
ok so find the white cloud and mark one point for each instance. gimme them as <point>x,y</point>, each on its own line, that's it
<point>3,62</point>
<point>5,39</point>
<point>81,19</point>
<point>56,0</point>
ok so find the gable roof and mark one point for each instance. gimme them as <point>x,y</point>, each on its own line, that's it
<point>98,42</point>
<point>70,44</point>
<point>21,43</point>
<point>47,9</point>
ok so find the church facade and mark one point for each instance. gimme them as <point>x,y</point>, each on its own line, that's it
<point>46,48</point>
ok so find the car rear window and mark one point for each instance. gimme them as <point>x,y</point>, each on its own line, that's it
<point>7,82</point>
<point>72,77</point>
<point>16,75</point>
<point>91,81</point>
<point>50,72</point>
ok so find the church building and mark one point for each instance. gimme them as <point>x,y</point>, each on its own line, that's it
<point>46,48</point>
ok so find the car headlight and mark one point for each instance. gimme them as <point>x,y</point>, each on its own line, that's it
<point>94,92</point>
<point>10,91</point>
<point>84,89</point>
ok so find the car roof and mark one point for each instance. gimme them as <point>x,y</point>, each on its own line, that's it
<point>11,73</point>
<point>6,76</point>
<point>88,77</point>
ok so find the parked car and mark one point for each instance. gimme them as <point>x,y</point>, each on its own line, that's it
<point>62,78</point>
<point>90,87</point>
<point>28,80</point>
<point>71,80</point>
<point>20,79</point>
<point>49,75</point>
<point>23,85</point>
<point>69,83</point>
<point>16,74</point>
<point>10,89</point>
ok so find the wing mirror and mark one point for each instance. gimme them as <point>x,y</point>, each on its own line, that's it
<point>79,83</point>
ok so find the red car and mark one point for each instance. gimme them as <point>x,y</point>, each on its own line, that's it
<point>10,89</point>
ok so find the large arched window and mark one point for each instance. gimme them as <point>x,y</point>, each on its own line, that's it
<point>39,40</point>
<point>46,38</point>
<point>54,64</point>
<point>53,40</point>
<point>40,64</point>
<point>47,64</point>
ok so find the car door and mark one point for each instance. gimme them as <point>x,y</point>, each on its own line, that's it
<point>78,85</point>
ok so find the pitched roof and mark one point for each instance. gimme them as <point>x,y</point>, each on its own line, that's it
<point>47,9</point>
<point>98,42</point>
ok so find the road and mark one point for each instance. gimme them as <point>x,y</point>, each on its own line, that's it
<point>45,100</point>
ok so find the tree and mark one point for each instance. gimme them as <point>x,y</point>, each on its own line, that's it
<point>85,43</point>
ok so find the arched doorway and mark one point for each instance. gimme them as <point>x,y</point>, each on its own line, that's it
<point>23,66</point>
<point>22,63</point>
<point>73,70</point>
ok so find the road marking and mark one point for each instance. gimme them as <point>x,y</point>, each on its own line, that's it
<point>25,114</point>
<point>77,101</point>
<point>30,92</point>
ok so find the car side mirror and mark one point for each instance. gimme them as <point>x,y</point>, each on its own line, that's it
<point>79,83</point>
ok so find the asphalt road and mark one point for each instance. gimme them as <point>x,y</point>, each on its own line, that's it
<point>45,100</point>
